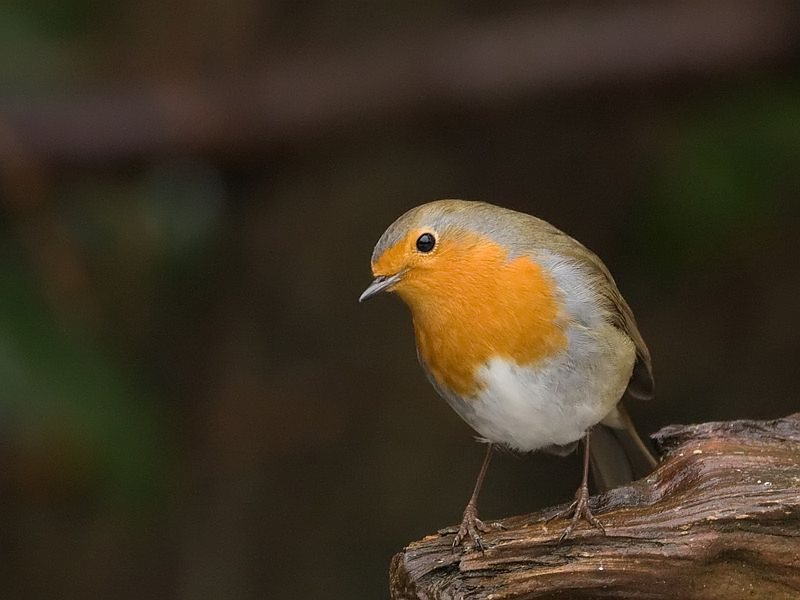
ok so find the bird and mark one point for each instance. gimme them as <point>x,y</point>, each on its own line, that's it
<point>523,331</point>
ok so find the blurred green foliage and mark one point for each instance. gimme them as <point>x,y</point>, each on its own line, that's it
<point>70,402</point>
<point>727,176</point>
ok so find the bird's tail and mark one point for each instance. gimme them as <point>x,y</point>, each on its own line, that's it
<point>617,454</point>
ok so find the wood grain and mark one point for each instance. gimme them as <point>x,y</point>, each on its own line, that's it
<point>718,519</point>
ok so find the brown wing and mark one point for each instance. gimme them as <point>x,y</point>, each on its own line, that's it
<point>641,385</point>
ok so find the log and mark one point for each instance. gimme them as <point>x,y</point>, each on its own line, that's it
<point>719,518</point>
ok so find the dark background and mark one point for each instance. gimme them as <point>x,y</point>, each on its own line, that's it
<point>192,403</point>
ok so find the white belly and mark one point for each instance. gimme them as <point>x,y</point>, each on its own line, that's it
<point>554,401</point>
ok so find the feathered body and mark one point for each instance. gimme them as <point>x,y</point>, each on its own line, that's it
<point>518,326</point>
<point>524,332</point>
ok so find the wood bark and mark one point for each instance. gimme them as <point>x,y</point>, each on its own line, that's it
<point>719,518</point>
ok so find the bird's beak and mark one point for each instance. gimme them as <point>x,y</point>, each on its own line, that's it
<point>381,283</point>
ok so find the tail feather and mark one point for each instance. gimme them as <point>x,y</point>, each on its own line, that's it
<point>617,453</point>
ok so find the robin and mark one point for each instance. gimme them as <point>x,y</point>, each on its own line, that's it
<point>522,330</point>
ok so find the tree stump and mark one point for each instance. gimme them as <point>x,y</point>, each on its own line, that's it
<point>719,518</point>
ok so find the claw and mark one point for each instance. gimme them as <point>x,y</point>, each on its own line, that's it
<point>579,509</point>
<point>471,527</point>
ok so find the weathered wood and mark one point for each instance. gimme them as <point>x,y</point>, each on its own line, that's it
<point>718,519</point>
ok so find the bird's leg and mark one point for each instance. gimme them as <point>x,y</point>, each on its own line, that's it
<point>580,506</point>
<point>471,525</point>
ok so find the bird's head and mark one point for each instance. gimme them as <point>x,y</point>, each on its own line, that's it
<point>434,251</point>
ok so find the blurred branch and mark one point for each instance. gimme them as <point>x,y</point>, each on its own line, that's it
<point>467,65</point>
<point>719,519</point>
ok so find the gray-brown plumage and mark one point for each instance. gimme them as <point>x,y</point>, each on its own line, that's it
<point>523,331</point>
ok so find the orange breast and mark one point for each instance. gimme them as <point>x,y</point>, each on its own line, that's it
<point>472,305</point>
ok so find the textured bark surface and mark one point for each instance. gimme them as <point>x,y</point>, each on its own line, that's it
<point>718,519</point>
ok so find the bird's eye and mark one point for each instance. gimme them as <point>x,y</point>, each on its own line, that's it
<point>426,242</point>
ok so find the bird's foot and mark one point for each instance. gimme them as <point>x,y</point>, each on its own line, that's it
<point>579,509</point>
<point>471,527</point>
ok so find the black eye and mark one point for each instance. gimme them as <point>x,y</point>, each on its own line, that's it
<point>426,242</point>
